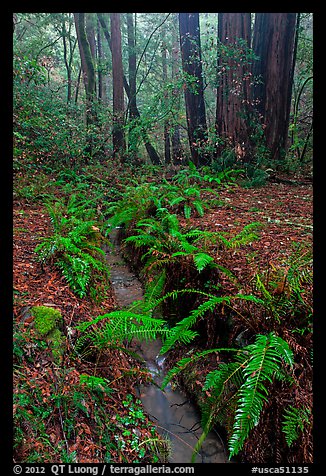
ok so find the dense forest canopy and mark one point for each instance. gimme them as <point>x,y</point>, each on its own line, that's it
<point>162,168</point>
<point>204,81</point>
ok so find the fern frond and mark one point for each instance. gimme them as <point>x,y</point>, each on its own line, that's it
<point>267,355</point>
<point>123,325</point>
<point>177,332</point>
<point>294,421</point>
<point>155,288</point>
<point>183,363</point>
<point>176,201</point>
<point>202,260</point>
<point>77,273</point>
<point>140,240</point>
<point>187,211</point>
<point>227,375</point>
<point>198,205</point>
<point>248,234</point>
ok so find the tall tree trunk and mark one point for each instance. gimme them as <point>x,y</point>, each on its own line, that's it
<point>90,33</point>
<point>68,55</point>
<point>132,102</point>
<point>274,39</point>
<point>167,147</point>
<point>65,57</point>
<point>175,139</point>
<point>194,85</point>
<point>100,61</point>
<point>89,77</point>
<point>132,65</point>
<point>233,90</point>
<point>154,157</point>
<point>78,84</point>
<point>118,97</point>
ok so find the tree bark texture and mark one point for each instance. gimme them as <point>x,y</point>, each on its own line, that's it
<point>132,65</point>
<point>88,69</point>
<point>100,60</point>
<point>85,54</point>
<point>194,86</point>
<point>274,39</point>
<point>175,139</point>
<point>166,134</point>
<point>117,76</point>
<point>234,77</point>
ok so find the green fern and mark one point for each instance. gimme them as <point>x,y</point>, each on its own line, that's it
<point>265,358</point>
<point>96,384</point>
<point>242,381</point>
<point>159,446</point>
<point>225,240</point>
<point>186,361</point>
<point>73,251</point>
<point>181,332</point>
<point>294,421</point>
<point>185,199</point>
<point>154,290</point>
<point>122,326</point>
<point>163,242</point>
<point>286,290</point>
<point>136,204</point>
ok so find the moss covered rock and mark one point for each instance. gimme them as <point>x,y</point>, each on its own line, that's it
<point>48,322</point>
<point>47,319</point>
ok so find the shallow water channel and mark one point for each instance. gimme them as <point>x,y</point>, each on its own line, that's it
<point>170,410</point>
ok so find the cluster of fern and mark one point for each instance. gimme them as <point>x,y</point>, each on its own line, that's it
<point>286,290</point>
<point>182,195</point>
<point>239,387</point>
<point>74,246</point>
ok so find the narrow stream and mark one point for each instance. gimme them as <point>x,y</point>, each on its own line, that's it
<point>175,417</point>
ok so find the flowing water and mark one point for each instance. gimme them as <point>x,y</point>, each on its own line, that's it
<point>175,417</point>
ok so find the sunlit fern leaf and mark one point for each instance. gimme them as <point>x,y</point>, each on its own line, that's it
<point>202,260</point>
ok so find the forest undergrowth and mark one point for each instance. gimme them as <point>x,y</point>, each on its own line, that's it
<point>227,273</point>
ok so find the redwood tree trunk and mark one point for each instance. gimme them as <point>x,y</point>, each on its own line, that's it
<point>88,69</point>
<point>117,76</point>
<point>175,139</point>
<point>167,145</point>
<point>194,86</point>
<point>274,39</point>
<point>233,90</point>
<point>100,60</point>
<point>132,65</point>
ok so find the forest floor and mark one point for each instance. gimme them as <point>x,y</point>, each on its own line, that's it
<point>286,212</point>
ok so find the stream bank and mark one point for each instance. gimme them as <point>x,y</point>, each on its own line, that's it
<point>172,412</point>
